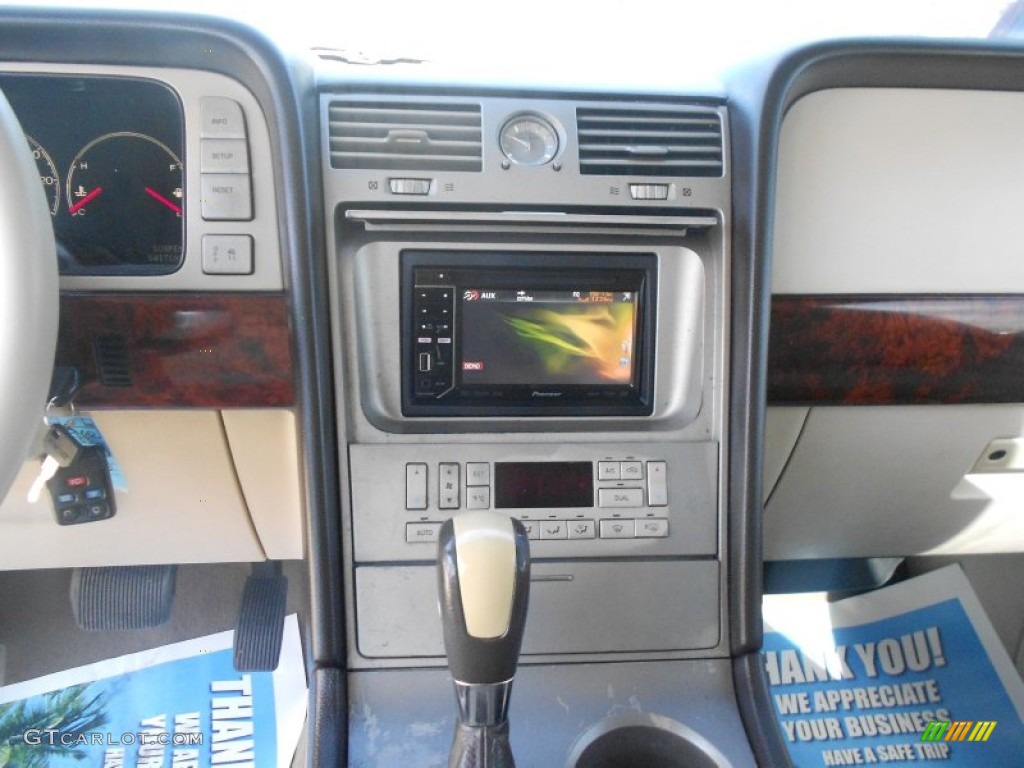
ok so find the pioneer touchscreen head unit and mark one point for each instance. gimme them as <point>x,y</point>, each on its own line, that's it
<point>527,334</point>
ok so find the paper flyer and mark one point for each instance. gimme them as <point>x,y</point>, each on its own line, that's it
<point>177,706</point>
<point>912,673</point>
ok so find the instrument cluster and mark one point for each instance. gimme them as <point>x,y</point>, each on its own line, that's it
<point>110,156</point>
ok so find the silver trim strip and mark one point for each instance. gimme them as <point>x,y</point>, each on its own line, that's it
<point>483,704</point>
<point>382,219</point>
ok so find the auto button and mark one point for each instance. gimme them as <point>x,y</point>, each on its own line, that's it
<point>422,533</point>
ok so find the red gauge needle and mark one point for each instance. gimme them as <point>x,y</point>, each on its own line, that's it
<point>157,196</point>
<point>85,200</point>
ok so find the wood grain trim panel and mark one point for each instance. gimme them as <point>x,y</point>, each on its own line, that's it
<point>178,350</point>
<point>896,350</point>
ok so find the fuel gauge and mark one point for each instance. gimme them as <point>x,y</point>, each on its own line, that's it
<point>125,196</point>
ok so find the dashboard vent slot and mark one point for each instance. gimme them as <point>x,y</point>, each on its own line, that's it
<point>686,141</point>
<point>113,361</point>
<point>406,136</point>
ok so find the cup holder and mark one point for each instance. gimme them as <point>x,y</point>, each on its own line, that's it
<point>635,739</point>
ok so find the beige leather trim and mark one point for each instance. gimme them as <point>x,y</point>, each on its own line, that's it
<point>485,551</point>
<point>183,503</point>
<point>263,446</point>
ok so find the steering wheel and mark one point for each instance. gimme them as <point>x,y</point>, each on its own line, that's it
<point>28,298</point>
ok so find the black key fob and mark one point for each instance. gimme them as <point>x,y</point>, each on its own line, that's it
<point>82,492</point>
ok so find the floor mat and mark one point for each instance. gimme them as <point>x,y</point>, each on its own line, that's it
<point>180,704</point>
<point>912,672</point>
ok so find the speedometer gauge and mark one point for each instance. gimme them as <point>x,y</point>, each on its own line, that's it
<point>47,174</point>
<point>125,194</point>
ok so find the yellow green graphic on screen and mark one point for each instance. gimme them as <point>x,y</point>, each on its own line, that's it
<point>597,336</point>
<point>579,341</point>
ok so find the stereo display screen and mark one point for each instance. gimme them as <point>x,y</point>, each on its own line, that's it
<point>542,337</point>
<point>528,334</point>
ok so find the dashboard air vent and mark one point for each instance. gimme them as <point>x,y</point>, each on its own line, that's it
<point>685,141</point>
<point>406,136</point>
<point>113,361</point>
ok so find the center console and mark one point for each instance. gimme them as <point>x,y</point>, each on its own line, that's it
<point>530,303</point>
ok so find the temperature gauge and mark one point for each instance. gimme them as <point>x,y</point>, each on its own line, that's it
<point>125,196</point>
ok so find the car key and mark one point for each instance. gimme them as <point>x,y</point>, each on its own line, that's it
<point>59,444</point>
<point>82,491</point>
<point>61,450</point>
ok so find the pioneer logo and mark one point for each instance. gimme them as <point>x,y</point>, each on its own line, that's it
<point>545,394</point>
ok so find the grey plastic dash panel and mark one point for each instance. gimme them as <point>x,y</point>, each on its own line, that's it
<point>379,499</point>
<point>686,320</point>
<point>407,717</point>
<point>620,607</point>
<point>562,181</point>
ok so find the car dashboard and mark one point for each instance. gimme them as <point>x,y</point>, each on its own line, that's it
<point>340,305</point>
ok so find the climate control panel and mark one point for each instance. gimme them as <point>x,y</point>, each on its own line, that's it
<point>574,500</point>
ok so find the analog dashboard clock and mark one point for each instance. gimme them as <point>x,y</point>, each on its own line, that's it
<point>528,140</point>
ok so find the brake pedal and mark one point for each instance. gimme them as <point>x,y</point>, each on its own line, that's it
<point>260,628</point>
<point>126,597</point>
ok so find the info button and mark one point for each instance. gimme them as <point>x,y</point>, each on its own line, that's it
<point>221,118</point>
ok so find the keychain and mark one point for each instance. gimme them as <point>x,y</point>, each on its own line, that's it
<point>60,450</point>
<point>77,477</point>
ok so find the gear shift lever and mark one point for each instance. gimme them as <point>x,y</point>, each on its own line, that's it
<point>484,586</point>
